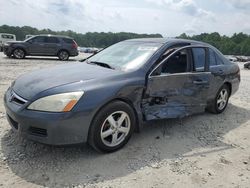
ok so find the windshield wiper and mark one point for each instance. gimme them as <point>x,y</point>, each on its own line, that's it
<point>100,64</point>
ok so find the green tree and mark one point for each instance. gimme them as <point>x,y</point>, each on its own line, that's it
<point>89,39</point>
<point>238,44</point>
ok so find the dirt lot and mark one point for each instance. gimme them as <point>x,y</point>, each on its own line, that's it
<point>199,151</point>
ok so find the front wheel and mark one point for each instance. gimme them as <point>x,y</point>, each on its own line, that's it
<point>19,53</point>
<point>220,102</point>
<point>112,127</point>
<point>63,55</point>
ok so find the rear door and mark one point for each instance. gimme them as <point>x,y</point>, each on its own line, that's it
<point>178,86</point>
<point>218,72</point>
<point>51,46</point>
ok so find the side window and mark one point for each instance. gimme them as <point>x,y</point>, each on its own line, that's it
<point>38,39</point>
<point>199,58</point>
<point>52,40</point>
<point>219,60</point>
<point>8,36</point>
<point>66,40</point>
<point>212,58</point>
<point>177,63</point>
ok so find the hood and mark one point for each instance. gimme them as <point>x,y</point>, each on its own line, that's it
<point>14,42</point>
<point>29,85</point>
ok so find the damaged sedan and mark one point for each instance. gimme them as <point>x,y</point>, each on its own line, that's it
<point>105,98</point>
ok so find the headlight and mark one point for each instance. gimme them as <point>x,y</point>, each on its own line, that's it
<point>57,103</point>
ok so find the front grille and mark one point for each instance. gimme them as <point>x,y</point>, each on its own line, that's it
<point>13,122</point>
<point>16,98</point>
<point>38,131</point>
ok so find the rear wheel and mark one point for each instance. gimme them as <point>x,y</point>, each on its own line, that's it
<point>220,102</point>
<point>19,53</point>
<point>63,55</point>
<point>112,127</point>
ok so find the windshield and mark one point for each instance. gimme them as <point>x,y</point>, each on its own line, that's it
<point>29,38</point>
<point>126,55</point>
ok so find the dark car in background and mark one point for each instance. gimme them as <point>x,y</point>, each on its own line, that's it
<point>105,98</point>
<point>247,65</point>
<point>42,45</point>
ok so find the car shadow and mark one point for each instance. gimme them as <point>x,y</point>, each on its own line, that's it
<point>158,141</point>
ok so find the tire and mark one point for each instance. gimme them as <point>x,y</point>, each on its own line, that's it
<point>63,55</point>
<point>106,133</point>
<point>220,102</point>
<point>19,53</point>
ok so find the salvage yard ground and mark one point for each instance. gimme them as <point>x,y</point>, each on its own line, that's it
<point>204,150</point>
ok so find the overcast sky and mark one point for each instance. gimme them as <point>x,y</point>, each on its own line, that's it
<point>167,17</point>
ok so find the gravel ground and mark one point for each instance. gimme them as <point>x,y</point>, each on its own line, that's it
<point>204,150</point>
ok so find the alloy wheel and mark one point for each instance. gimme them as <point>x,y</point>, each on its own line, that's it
<point>115,128</point>
<point>63,55</point>
<point>222,99</point>
<point>18,53</point>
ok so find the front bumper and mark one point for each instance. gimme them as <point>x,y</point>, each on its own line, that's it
<point>46,127</point>
<point>7,50</point>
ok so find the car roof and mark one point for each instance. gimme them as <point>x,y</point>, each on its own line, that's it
<point>6,34</point>
<point>59,36</point>
<point>168,41</point>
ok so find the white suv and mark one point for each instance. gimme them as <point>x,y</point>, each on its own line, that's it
<point>5,37</point>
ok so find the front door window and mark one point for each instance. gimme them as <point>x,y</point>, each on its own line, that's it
<point>177,63</point>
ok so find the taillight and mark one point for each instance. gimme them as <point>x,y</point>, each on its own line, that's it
<point>74,45</point>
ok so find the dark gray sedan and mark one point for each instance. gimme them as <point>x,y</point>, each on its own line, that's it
<point>105,98</point>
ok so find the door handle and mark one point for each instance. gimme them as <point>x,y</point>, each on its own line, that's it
<point>200,82</point>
